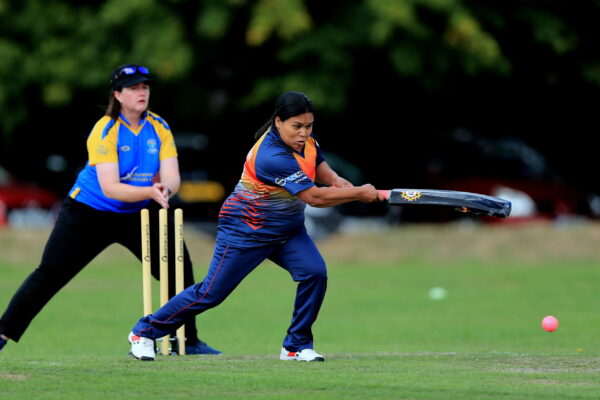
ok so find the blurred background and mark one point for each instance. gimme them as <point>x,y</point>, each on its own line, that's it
<point>495,97</point>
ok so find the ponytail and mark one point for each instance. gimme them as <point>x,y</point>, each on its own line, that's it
<point>113,109</point>
<point>264,128</point>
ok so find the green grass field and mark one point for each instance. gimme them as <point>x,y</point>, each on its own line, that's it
<point>383,337</point>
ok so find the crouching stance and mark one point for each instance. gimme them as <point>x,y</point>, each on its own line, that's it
<point>264,219</point>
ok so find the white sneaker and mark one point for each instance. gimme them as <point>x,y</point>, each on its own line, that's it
<point>302,355</point>
<point>141,348</point>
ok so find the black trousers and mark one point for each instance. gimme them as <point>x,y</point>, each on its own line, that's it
<point>80,234</point>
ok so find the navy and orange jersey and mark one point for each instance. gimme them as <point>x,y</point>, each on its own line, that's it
<point>263,207</point>
<point>138,153</point>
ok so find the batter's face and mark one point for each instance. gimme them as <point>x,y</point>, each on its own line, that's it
<point>134,99</point>
<point>295,130</point>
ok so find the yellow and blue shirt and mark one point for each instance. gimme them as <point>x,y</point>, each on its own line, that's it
<point>263,207</point>
<point>138,153</point>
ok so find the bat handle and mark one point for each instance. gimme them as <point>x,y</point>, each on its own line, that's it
<point>385,194</point>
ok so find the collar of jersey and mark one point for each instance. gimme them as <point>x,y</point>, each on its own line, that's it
<point>141,125</point>
<point>275,133</point>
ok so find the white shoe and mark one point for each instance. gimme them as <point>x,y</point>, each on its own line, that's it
<point>302,355</point>
<point>141,348</point>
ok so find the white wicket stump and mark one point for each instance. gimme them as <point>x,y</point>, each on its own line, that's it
<point>164,267</point>
<point>179,285</point>
<point>146,272</point>
<point>163,235</point>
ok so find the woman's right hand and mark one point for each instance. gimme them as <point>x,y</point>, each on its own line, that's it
<point>160,194</point>
<point>368,194</point>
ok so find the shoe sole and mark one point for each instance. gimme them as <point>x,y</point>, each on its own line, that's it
<point>318,359</point>
<point>143,358</point>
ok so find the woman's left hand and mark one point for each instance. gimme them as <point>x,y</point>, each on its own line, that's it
<point>160,194</point>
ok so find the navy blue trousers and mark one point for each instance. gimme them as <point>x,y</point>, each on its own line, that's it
<point>229,266</point>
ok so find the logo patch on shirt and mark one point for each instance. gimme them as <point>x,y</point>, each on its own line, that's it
<point>101,150</point>
<point>125,148</point>
<point>129,175</point>
<point>295,178</point>
<point>152,149</point>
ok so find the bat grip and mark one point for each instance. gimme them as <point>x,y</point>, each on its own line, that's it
<point>384,194</point>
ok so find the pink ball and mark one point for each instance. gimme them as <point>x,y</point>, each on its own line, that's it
<point>549,323</point>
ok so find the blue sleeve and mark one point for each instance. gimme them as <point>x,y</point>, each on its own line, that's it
<point>282,169</point>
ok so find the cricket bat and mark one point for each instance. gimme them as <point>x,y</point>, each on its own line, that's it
<point>472,203</point>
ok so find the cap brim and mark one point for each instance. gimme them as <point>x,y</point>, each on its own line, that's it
<point>134,80</point>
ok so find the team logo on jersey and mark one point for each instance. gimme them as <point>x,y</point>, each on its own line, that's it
<point>296,177</point>
<point>411,195</point>
<point>101,150</point>
<point>125,148</point>
<point>152,148</point>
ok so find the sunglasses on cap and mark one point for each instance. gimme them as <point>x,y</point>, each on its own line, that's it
<point>133,70</point>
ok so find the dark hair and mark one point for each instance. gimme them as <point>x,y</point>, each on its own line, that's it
<point>114,107</point>
<point>288,105</point>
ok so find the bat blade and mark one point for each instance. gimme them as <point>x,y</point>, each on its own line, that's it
<point>473,203</point>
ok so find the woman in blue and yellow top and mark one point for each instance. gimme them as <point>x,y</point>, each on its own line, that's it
<point>264,219</point>
<point>132,165</point>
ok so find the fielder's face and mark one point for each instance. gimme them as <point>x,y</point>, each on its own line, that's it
<point>295,130</point>
<point>134,99</point>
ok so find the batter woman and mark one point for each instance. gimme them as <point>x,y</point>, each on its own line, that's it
<point>132,165</point>
<point>264,219</point>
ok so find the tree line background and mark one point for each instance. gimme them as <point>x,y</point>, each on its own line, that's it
<point>388,77</point>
